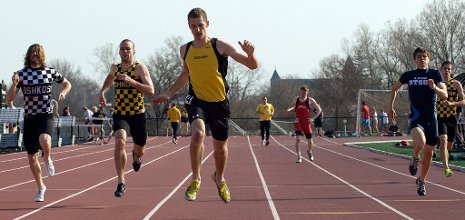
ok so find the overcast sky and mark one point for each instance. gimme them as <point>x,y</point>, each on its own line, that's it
<point>293,36</point>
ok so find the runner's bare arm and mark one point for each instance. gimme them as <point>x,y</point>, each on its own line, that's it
<point>249,60</point>
<point>182,80</point>
<point>106,84</point>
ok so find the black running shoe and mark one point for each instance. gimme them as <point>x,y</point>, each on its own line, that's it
<point>120,190</point>
<point>267,142</point>
<point>421,187</point>
<point>136,163</point>
<point>413,167</point>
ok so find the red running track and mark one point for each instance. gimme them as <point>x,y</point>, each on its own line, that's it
<point>265,183</point>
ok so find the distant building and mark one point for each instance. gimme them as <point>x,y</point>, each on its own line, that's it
<point>292,85</point>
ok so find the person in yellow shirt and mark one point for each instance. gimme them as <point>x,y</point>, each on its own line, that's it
<point>175,117</point>
<point>265,110</point>
<point>205,62</point>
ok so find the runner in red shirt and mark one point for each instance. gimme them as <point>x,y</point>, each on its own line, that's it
<point>302,106</point>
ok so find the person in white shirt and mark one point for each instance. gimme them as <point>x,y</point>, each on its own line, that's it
<point>384,120</point>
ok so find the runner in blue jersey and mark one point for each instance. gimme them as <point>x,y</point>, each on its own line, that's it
<point>424,85</point>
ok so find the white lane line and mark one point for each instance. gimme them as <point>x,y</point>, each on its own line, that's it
<point>350,185</point>
<point>385,168</point>
<point>71,148</point>
<point>265,186</point>
<point>65,158</point>
<point>167,197</point>
<point>53,153</point>
<point>93,187</point>
<point>85,165</point>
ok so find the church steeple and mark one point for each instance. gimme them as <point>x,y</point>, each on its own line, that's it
<point>275,75</point>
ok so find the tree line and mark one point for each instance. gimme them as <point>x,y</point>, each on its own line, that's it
<point>370,60</point>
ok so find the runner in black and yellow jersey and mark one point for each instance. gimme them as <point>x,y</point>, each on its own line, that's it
<point>205,65</point>
<point>132,81</point>
<point>447,112</point>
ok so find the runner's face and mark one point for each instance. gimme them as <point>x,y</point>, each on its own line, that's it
<point>446,71</point>
<point>126,51</point>
<point>303,93</point>
<point>34,58</point>
<point>422,60</point>
<point>198,27</point>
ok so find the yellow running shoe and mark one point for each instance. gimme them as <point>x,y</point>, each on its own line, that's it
<point>223,190</point>
<point>192,190</point>
<point>448,172</point>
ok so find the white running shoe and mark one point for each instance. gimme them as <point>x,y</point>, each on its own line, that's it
<point>50,167</point>
<point>40,195</point>
<point>310,155</point>
<point>299,160</point>
<point>263,142</point>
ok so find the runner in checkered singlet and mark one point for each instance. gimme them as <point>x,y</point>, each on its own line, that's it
<point>35,81</point>
<point>132,81</point>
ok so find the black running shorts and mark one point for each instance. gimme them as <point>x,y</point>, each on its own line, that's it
<point>215,114</point>
<point>136,125</point>
<point>34,126</point>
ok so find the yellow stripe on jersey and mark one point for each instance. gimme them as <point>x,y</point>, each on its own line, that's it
<point>128,100</point>
<point>207,82</point>
<point>452,96</point>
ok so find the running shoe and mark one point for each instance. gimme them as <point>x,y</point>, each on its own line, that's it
<point>50,167</point>
<point>448,172</point>
<point>192,190</point>
<point>421,187</point>
<point>136,164</point>
<point>223,190</point>
<point>174,141</point>
<point>310,155</point>
<point>40,195</point>
<point>299,160</point>
<point>267,142</point>
<point>120,190</point>
<point>413,167</point>
<point>263,142</point>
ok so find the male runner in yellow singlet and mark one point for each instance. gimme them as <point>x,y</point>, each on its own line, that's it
<point>205,66</point>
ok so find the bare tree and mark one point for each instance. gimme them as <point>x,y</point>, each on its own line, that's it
<point>331,69</point>
<point>442,25</point>
<point>84,92</point>
<point>164,67</point>
<point>106,56</point>
<point>242,84</point>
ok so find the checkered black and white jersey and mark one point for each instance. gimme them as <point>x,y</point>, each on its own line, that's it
<point>36,85</point>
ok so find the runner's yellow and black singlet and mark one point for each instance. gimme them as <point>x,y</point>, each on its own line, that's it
<point>207,72</point>
<point>452,96</point>
<point>128,100</point>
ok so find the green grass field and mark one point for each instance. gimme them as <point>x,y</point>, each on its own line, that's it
<point>408,151</point>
